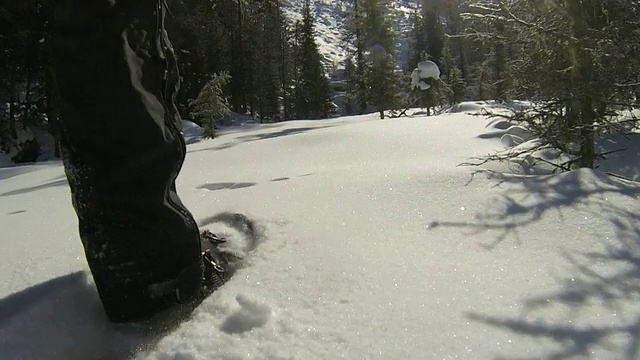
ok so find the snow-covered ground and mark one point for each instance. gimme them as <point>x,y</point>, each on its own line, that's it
<point>378,246</point>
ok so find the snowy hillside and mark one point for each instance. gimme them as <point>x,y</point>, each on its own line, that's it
<point>378,246</point>
<point>332,20</point>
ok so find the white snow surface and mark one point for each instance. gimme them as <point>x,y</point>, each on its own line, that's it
<point>378,246</point>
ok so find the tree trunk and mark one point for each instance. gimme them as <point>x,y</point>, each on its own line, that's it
<point>500,64</point>
<point>284,74</point>
<point>581,76</point>
<point>27,101</point>
<point>481,81</point>
<point>13,132</point>
<point>238,76</point>
<point>52,109</point>
<point>362,100</point>
<point>587,135</point>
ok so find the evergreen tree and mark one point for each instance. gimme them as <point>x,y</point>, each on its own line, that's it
<point>435,34</point>
<point>312,96</point>
<point>254,13</point>
<point>454,29</point>
<point>428,98</point>
<point>451,75</point>
<point>501,69</point>
<point>378,25</point>
<point>381,81</point>
<point>351,97</point>
<point>27,94</point>
<point>268,55</point>
<point>234,17</point>
<point>287,68</point>
<point>198,34</point>
<point>418,42</point>
<point>211,105</point>
<point>356,44</point>
<point>572,56</point>
<point>379,69</point>
<point>427,36</point>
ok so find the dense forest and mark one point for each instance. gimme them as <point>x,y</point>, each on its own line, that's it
<point>576,61</point>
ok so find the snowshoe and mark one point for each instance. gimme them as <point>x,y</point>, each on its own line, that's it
<point>216,262</point>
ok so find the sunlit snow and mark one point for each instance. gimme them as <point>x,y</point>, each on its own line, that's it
<point>378,246</point>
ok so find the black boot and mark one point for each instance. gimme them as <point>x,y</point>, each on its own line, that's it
<point>217,267</point>
<point>122,152</point>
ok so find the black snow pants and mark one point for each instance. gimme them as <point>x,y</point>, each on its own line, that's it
<point>122,151</point>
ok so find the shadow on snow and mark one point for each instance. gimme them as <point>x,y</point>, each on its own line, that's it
<point>21,169</point>
<point>53,183</point>
<point>624,152</point>
<point>63,319</point>
<point>263,136</point>
<point>226,186</point>
<point>608,277</point>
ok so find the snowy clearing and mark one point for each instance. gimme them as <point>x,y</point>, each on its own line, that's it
<point>379,246</point>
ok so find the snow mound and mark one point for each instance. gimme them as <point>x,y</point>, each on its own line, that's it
<point>500,124</point>
<point>535,156</point>
<point>191,131</point>
<point>468,107</point>
<point>587,180</point>
<point>250,315</point>
<point>516,135</point>
<point>5,160</point>
<point>236,120</point>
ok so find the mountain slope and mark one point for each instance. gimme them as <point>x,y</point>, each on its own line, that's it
<point>332,23</point>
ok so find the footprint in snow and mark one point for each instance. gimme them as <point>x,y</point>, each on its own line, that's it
<point>250,315</point>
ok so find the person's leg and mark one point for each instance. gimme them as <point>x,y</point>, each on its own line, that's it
<point>122,152</point>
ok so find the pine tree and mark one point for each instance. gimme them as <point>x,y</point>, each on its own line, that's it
<point>312,89</point>
<point>571,56</point>
<point>381,81</point>
<point>501,69</point>
<point>451,75</point>
<point>427,36</point>
<point>454,29</point>
<point>377,25</point>
<point>268,55</point>
<point>26,96</point>
<point>199,36</point>
<point>254,13</point>
<point>379,71</point>
<point>428,98</point>
<point>435,34</point>
<point>356,43</point>
<point>352,85</point>
<point>234,18</point>
<point>418,42</point>
<point>286,68</point>
<point>211,105</point>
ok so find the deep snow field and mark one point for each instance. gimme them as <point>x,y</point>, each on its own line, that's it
<point>377,245</point>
